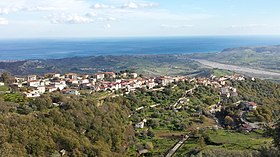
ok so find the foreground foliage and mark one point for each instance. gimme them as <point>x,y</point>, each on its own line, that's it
<point>77,126</point>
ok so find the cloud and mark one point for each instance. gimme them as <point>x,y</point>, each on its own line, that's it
<point>42,8</point>
<point>5,11</point>
<point>107,26</point>
<point>175,26</point>
<point>69,19</point>
<point>130,5</point>
<point>134,5</point>
<point>102,6</point>
<point>249,26</point>
<point>91,14</point>
<point>3,21</point>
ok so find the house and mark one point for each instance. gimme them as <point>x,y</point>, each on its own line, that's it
<point>46,82</point>
<point>85,76</point>
<point>51,89</point>
<point>99,76</point>
<point>2,83</point>
<point>133,75</point>
<point>57,75</point>
<point>225,91</point>
<point>164,80</point>
<point>72,76</point>
<point>41,89</point>
<point>59,85</point>
<point>73,82</point>
<point>32,94</point>
<point>19,80</point>
<point>238,77</point>
<point>31,78</point>
<point>223,83</point>
<point>140,125</point>
<point>84,81</point>
<point>34,83</point>
<point>93,80</point>
<point>118,80</point>
<point>124,75</point>
<point>234,89</point>
<point>251,106</point>
<point>150,84</point>
<point>110,75</point>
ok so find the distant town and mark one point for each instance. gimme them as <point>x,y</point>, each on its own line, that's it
<point>34,86</point>
<point>71,83</point>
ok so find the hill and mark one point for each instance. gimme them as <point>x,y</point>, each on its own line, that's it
<point>265,57</point>
<point>146,64</point>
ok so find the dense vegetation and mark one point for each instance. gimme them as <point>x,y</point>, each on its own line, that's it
<point>265,93</point>
<point>100,125</point>
<point>39,128</point>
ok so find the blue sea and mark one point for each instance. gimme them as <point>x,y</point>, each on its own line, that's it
<point>21,49</point>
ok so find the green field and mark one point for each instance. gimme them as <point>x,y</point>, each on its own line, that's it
<point>226,141</point>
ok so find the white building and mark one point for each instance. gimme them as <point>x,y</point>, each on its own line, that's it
<point>34,83</point>
<point>59,86</point>
<point>2,83</point>
<point>41,89</point>
<point>150,85</point>
<point>134,75</point>
<point>140,125</point>
<point>51,89</point>
<point>32,94</point>
<point>99,76</point>
<point>56,75</point>
<point>84,81</point>
<point>31,78</point>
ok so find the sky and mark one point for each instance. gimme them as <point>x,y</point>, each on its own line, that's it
<point>131,18</point>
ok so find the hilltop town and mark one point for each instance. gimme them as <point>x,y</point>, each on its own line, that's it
<point>71,83</point>
<point>160,110</point>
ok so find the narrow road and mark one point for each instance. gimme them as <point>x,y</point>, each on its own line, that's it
<point>172,151</point>
<point>184,97</point>
<point>244,120</point>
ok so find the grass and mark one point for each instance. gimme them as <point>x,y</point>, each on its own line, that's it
<point>228,140</point>
<point>234,140</point>
<point>220,73</point>
<point>4,88</point>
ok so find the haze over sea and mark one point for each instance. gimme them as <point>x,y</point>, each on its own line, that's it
<point>21,49</point>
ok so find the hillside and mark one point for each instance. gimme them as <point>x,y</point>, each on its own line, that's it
<point>266,57</point>
<point>107,124</point>
<point>146,64</point>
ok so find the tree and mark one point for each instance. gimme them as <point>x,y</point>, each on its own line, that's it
<point>201,142</point>
<point>149,146</point>
<point>228,120</point>
<point>6,78</point>
<point>276,137</point>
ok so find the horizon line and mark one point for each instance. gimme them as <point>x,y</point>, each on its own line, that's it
<point>135,37</point>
